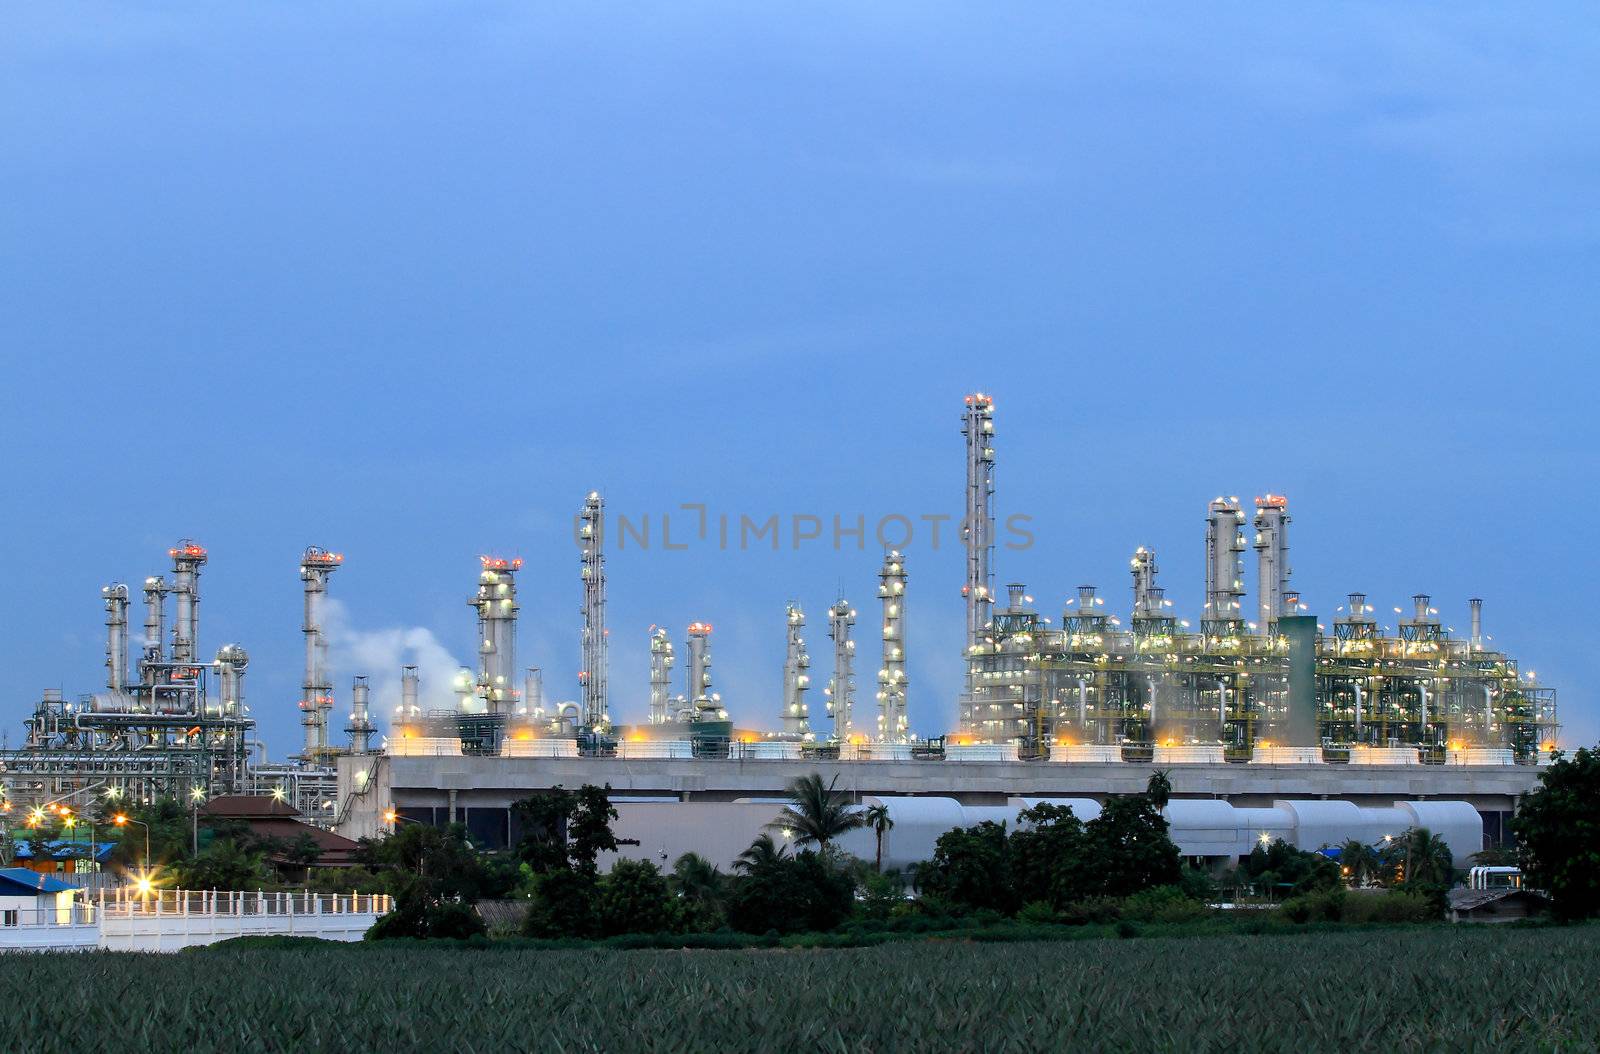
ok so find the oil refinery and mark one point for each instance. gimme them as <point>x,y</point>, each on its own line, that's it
<point>1242,709</point>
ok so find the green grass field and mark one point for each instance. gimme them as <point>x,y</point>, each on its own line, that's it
<point>1434,988</point>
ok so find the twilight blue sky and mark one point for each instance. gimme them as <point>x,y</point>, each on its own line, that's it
<point>407,280</point>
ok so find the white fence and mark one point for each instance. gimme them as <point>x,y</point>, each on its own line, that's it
<point>49,928</point>
<point>167,920</point>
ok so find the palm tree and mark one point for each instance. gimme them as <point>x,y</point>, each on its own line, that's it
<point>1429,861</point>
<point>1159,789</point>
<point>817,813</point>
<point>696,878</point>
<point>878,818</point>
<point>1359,862</point>
<point>763,854</point>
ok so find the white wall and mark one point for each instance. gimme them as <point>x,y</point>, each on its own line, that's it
<point>720,831</point>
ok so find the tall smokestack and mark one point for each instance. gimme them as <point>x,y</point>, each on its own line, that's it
<point>591,538</point>
<point>116,598</point>
<point>892,721</point>
<point>977,532</point>
<point>1272,560</point>
<point>796,676</point>
<point>360,723</point>
<point>1477,623</point>
<point>316,688</point>
<point>533,693</point>
<point>496,604</point>
<point>409,709</point>
<point>842,689</point>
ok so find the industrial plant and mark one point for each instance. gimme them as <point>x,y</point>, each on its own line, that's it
<point>1245,702</point>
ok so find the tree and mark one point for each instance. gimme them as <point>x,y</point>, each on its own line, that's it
<point>764,854</point>
<point>1128,847</point>
<point>971,869</point>
<point>168,824</point>
<point>1359,863</point>
<point>224,864</point>
<point>699,887</point>
<point>817,813</point>
<point>543,817</point>
<point>1281,869</point>
<point>1159,788</point>
<point>565,904</point>
<point>877,817</point>
<point>634,898</point>
<point>589,829</point>
<point>1558,831</point>
<point>1048,857</point>
<point>563,828</point>
<point>564,833</point>
<point>789,894</point>
<point>440,860</point>
<point>1428,860</point>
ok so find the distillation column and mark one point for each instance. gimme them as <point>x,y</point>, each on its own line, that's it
<point>496,604</point>
<point>796,676</point>
<point>701,698</point>
<point>316,698</point>
<point>187,559</point>
<point>116,597</point>
<point>1476,637</point>
<point>1272,555</point>
<point>977,532</point>
<point>661,663</point>
<point>892,683</point>
<point>1147,596</point>
<point>231,662</point>
<point>360,722</point>
<point>1224,568</point>
<point>842,689</point>
<point>155,625</point>
<point>591,537</point>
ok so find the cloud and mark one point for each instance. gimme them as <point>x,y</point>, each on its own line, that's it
<point>380,653</point>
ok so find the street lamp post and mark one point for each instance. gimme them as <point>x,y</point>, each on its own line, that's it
<point>122,819</point>
<point>197,795</point>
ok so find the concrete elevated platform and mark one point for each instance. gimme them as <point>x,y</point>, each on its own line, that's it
<point>478,791</point>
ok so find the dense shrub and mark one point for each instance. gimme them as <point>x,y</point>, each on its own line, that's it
<point>1092,911</point>
<point>1388,907</point>
<point>1164,904</point>
<point>416,916</point>
<point>791,894</point>
<point>564,905</point>
<point>634,898</point>
<point>971,869</point>
<point>1327,905</point>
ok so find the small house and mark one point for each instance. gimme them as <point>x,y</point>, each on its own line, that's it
<point>29,898</point>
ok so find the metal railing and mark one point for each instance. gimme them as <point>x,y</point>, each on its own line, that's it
<point>129,902</point>
<point>75,914</point>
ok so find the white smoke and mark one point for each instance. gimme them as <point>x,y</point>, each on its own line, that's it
<point>379,654</point>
